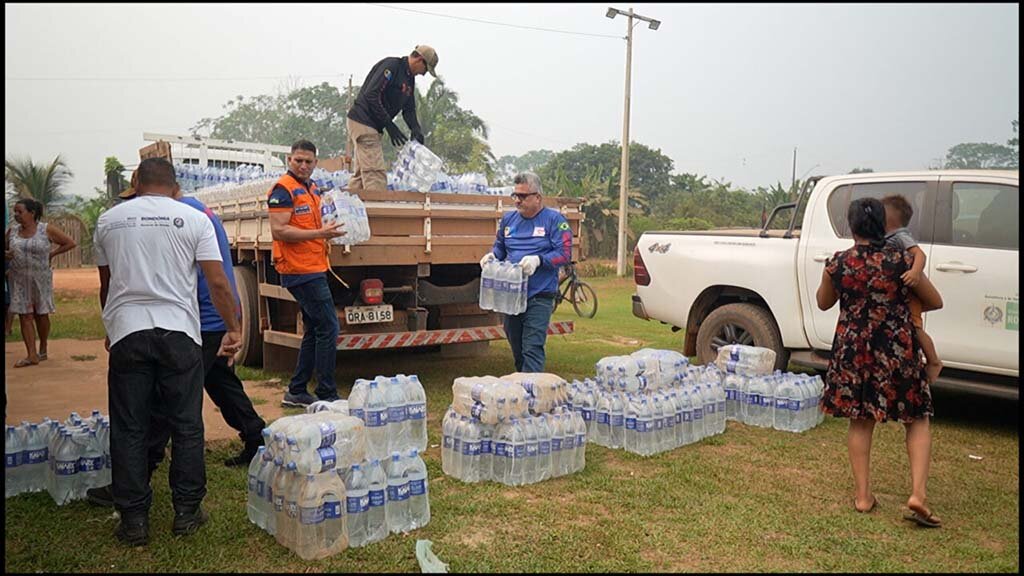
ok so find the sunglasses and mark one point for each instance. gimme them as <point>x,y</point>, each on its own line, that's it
<point>522,197</point>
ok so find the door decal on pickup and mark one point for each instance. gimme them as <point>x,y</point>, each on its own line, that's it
<point>660,249</point>
<point>1000,313</point>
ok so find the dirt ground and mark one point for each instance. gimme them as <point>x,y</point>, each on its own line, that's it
<point>74,378</point>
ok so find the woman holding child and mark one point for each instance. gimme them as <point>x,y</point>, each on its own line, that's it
<point>877,371</point>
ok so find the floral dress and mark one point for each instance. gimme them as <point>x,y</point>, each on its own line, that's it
<point>877,369</point>
<point>31,277</point>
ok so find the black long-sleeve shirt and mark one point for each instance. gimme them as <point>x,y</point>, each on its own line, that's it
<point>390,87</point>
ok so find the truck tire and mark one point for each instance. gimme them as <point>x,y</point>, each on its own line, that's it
<point>251,353</point>
<point>740,323</point>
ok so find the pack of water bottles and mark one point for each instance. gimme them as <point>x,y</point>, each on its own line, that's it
<point>745,360</point>
<point>544,391</point>
<point>645,370</point>
<point>386,496</point>
<point>339,406</point>
<point>394,411</point>
<point>517,451</point>
<point>783,401</point>
<point>193,177</point>
<point>503,287</point>
<point>489,399</point>
<point>653,419</point>
<point>64,458</point>
<point>416,168</point>
<point>348,209</point>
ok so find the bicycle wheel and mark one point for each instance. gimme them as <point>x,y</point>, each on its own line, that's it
<point>584,299</point>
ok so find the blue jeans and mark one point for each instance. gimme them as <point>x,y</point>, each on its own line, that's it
<point>320,340</point>
<point>527,333</point>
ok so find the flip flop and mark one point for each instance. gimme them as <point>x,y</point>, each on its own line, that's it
<point>24,362</point>
<point>874,504</point>
<point>929,521</point>
<point>42,356</point>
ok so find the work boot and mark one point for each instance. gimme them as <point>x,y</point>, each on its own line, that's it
<point>133,531</point>
<point>189,521</point>
<point>300,400</point>
<point>101,496</point>
<point>244,458</point>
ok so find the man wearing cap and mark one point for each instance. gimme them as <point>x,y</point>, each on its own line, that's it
<point>390,87</point>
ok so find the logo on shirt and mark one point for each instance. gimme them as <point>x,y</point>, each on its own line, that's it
<point>538,231</point>
<point>387,75</point>
<point>274,200</point>
<point>303,209</point>
<point>563,226</point>
<point>178,222</point>
<point>508,230</point>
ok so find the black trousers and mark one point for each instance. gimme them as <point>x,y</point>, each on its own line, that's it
<point>227,393</point>
<point>146,367</point>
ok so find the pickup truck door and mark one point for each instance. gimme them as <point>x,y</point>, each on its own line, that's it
<point>827,232</point>
<point>974,264</point>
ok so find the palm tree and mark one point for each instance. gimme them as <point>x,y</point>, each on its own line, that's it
<point>41,182</point>
<point>600,196</point>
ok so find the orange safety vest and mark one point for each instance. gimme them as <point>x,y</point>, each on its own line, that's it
<point>308,256</point>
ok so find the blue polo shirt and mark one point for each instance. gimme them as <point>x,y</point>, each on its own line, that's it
<point>546,235</point>
<point>209,318</point>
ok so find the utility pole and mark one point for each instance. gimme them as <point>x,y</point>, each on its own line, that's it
<point>620,266</point>
<point>792,185</point>
<point>348,141</point>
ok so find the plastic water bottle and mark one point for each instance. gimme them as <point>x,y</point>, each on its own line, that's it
<point>502,297</point>
<point>416,412</point>
<point>486,452</point>
<point>376,519</point>
<point>419,497</point>
<point>516,453</point>
<point>254,506</point>
<point>376,419</point>
<point>398,427</point>
<point>581,444</point>
<point>66,470</point>
<point>469,461</point>
<point>602,429</point>
<point>531,463</point>
<point>334,530</point>
<point>357,398</point>
<point>279,487</point>
<point>543,448</point>
<point>782,415</point>
<point>396,510</point>
<point>616,420</point>
<point>264,490</point>
<point>458,433</point>
<point>487,285</point>
<point>12,462</point>
<point>447,437</point>
<point>357,505</point>
<point>500,459</point>
<point>90,463</point>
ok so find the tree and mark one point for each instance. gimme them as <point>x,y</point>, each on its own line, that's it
<point>600,197</point>
<point>316,113</point>
<point>1014,142</point>
<point>981,155</point>
<point>508,166</point>
<point>89,210</point>
<point>649,169</point>
<point>41,182</point>
<point>116,182</point>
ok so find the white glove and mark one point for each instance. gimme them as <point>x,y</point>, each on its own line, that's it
<point>530,264</point>
<point>489,257</point>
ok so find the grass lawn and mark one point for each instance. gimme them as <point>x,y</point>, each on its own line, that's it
<point>748,500</point>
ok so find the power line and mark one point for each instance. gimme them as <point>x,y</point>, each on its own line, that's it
<point>497,23</point>
<point>156,79</point>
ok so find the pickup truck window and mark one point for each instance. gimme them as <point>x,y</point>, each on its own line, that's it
<point>986,215</point>
<point>839,201</point>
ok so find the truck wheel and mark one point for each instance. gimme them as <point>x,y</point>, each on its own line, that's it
<point>747,324</point>
<point>251,353</point>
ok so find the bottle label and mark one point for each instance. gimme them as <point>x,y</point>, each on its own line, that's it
<point>518,451</point>
<point>710,408</point>
<point>457,445</point>
<point>678,418</point>
<point>556,444</point>
<point>261,488</point>
<point>721,405</point>
<point>544,448</point>
<point>670,422</point>
<point>331,510</point>
<point>698,414</point>
<point>417,487</point>
<point>328,434</point>
<point>467,448</point>
<point>531,449</point>
<point>36,456</point>
<point>485,446</point>
<point>688,416</point>
<point>279,503</point>
<point>730,394</point>
<point>753,399</point>
<point>376,418</point>
<point>781,404</point>
<point>630,423</point>
<point>569,443</point>
<point>447,440</point>
<point>398,493</point>
<point>310,516</point>
<point>328,459</point>
<point>501,449</point>
<point>602,418</point>
<point>588,415</point>
<point>488,283</point>
<point>90,464</point>
<point>396,414</point>
<point>416,411</point>
<point>354,504</point>
<point>794,405</point>
<point>617,420</point>
<point>376,498</point>
<point>474,448</point>
<point>66,467</point>
<point>357,413</point>
<point>270,495</point>
<point>581,439</point>
<point>252,483</point>
<point>292,508</point>
<point>12,460</point>
<point>659,424</point>
<point>477,410</point>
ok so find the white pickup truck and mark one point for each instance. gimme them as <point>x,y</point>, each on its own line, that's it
<point>757,287</point>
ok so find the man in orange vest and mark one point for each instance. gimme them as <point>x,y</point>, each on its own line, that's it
<point>300,254</point>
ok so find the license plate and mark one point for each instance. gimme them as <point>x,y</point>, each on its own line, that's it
<point>369,314</point>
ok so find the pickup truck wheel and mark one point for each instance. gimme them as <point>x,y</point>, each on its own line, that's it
<point>251,353</point>
<point>746,324</point>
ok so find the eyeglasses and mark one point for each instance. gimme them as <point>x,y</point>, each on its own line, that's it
<point>522,197</point>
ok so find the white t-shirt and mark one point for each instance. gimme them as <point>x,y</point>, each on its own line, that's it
<point>152,245</point>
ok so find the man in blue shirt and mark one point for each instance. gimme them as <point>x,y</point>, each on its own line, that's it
<point>540,240</point>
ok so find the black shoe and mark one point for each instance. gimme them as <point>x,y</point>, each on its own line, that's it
<point>133,531</point>
<point>244,458</point>
<point>100,496</point>
<point>189,522</point>
<point>297,400</point>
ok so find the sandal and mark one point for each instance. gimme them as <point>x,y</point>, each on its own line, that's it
<point>24,362</point>
<point>923,518</point>
<point>874,503</point>
<point>42,356</point>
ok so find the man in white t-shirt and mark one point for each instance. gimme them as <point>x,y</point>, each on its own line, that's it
<point>147,251</point>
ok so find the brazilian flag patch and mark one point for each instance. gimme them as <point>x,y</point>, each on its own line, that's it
<point>563,226</point>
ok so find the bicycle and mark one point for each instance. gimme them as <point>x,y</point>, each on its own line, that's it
<point>571,288</point>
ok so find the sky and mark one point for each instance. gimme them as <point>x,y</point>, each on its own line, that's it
<point>725,90</point>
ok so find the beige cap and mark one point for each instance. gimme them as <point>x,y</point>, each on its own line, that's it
<point>429,56</point>
<point>130,192</point>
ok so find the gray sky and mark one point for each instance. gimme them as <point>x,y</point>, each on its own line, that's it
<point>724,90</point>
